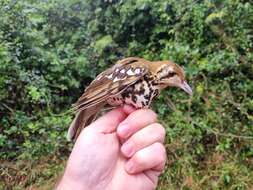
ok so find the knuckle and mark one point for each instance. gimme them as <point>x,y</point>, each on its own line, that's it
<point>159,131</point>
<point>161,151</point>
<point>146,114</point>
<point>149,114</point>
<point>153,114</point>
<point>138,159</point>
<point>139,141</point>
<point>162,132</point>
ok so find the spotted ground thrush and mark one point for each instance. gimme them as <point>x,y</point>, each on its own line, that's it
<point>134,81</point>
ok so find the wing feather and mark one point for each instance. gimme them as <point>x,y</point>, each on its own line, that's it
<point>113,81</point>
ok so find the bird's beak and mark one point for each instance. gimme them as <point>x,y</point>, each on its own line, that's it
<point>186,88</point>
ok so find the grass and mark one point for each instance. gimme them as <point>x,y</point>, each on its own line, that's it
<point>42,174</point>
<point>214,170</point>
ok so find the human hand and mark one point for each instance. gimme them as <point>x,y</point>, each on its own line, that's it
<point>121,150</point>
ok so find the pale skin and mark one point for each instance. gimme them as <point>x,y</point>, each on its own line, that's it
<point>121,150</point>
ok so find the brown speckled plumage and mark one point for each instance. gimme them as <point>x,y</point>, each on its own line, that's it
<point>134,81</point>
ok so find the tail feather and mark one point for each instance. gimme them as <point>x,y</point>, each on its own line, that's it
<point>82,119</point>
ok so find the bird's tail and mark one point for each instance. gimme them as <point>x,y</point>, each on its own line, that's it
<point>82,119</point>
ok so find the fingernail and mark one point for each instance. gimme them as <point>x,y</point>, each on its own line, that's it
<point>123,130</point>
<point>129,167</point>
<point>127,149</point>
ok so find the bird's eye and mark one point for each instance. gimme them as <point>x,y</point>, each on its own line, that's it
<point>168,75</point>
<point>172,74</point>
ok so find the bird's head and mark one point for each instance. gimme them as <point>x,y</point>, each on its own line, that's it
<point>171,74</point>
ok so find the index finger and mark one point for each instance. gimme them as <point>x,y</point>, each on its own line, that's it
<point>136,121</point>
<point>110,121</point>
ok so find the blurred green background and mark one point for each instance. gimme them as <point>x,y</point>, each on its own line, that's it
<point>51,49</point>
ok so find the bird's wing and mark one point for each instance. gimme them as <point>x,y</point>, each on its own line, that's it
<point>112,81</point>
<point>82,119</point>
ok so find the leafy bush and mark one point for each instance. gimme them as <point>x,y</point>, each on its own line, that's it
<point>50,50</point>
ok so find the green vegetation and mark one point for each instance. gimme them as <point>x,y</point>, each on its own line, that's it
<point>50,50</point>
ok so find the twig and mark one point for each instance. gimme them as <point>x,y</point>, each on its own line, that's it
<point>217,133</point>
<point>7,107</point>
<point>229,135</point>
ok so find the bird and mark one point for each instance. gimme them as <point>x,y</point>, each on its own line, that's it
<point>133,81</point>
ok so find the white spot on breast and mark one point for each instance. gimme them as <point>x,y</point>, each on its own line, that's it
<point>138,86</point>
<point>122,71</point>
<point>130,72</point>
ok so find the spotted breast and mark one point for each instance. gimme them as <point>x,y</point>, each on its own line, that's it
<point>139,94</point>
